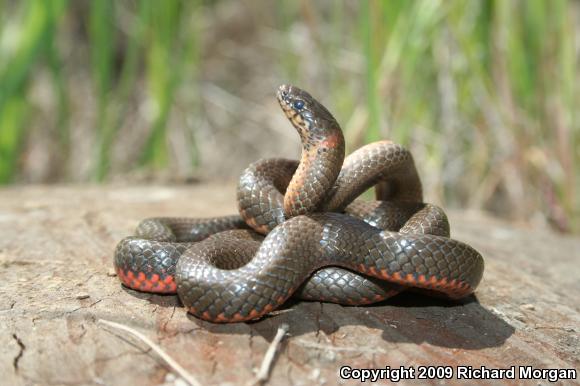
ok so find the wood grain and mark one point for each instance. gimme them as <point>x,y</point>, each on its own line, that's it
<point>56,246</point>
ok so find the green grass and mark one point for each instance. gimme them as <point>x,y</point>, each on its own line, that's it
<point>30,40</point>
<point>485,93</point>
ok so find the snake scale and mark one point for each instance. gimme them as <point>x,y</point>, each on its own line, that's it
<point>301,232</point>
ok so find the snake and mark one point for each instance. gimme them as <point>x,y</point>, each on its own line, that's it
<point>303,232</point>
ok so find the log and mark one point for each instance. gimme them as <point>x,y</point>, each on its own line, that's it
<point>56,249</point>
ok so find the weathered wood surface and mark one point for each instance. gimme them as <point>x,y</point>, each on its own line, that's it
<point>56,246</point>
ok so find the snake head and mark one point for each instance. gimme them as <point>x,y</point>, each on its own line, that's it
<point>306,114</point>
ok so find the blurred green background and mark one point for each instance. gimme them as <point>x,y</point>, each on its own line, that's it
<point>484,93</point>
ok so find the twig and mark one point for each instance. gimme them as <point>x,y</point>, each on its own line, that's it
<point>266,366</point>
<point>170,361</point>
<point>324,347</point>
<point>280,312</point>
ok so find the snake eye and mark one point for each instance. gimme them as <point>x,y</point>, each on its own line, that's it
<point>298,105</point>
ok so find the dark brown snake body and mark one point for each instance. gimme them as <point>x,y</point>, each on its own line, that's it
<point>300,233</point>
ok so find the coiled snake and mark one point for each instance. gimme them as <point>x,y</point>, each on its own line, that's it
<point>299,232</point>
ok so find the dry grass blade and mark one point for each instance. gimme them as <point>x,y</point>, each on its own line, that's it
<point>168,359</point>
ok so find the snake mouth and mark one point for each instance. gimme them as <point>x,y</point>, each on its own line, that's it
<point>285,98</point>
<point>295,104</point>
<point>283,91</point>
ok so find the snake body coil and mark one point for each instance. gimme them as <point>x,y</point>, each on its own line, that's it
<point>300,232</point>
